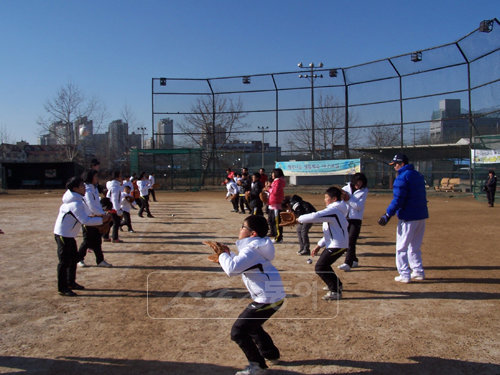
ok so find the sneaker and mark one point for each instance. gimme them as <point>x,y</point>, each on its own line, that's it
<point>81,264</point>
<point>277,241</point>
<point>117,241</point>
<point>104,264</point>
<point>106,240</point>
<point>149,215</point>
<point>344,267</point>
<point>304,252</point>
<point>67,293</point>
<point>77,286</point>
<point>131,231</point>
<point>326,288</point>
<point>329,296</point>
<point>234,210</point>
<point>401,279</point>
<point>140,215</point>
<point>275,361</point>
<point>416,276</point>
<point>355,264</point>
<point>252,369</point>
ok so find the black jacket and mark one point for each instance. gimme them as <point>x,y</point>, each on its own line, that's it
<point>301,207</point>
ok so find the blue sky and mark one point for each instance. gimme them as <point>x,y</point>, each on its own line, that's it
<point>111,49</point>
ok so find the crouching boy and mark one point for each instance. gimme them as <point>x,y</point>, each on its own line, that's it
<point>263,281</point>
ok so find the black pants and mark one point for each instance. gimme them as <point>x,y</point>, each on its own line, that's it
<point>256,207</point>
<point>91,240</point>
<point>126,221</point>
<point>244,203</point>
<point>248,333</point>
<point>152,194</point>
<point>324,268</point>
<point>303,235</point>
<point>114,227</point>
<point>354,228</point>
<point>234,202</point>
<point>274,220</point>
<point>490,194</point>
<point>144,205</point>
<point>68,258</point>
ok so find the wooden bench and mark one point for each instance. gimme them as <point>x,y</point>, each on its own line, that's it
<point>443,184</point>
<point>448,184</point>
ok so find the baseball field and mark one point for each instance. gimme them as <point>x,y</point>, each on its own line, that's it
<point>164,309</point>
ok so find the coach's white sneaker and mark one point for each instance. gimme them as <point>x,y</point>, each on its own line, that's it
<point>344,267</point>
<point>355,264</point>
<point>253,368</point>
<point>416,276</point>
<point>401,279</point>
<point>81,264</point>
<point>104,264</point>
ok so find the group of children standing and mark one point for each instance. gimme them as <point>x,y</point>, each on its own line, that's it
<point>88,205</point>
<point>258,195</point>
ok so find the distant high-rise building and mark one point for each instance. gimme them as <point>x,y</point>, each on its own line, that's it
<point>220,136</point>
<point>60,133</point>
<point>449,124</point>
<point>135,140</point>
<point>165,137</point>
<point>117,139</point>
<point>83,127</point>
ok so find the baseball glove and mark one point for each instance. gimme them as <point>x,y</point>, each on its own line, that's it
<point>106,225</point>
<point>287,218</point>
<point>218,249</point>
<point>264,197</point>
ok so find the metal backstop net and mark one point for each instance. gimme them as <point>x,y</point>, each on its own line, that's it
<point>428,103</point>
<point>173,168</point>
<point>485,157</point>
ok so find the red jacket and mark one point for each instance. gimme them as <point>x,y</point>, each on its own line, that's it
<point>277,191</point>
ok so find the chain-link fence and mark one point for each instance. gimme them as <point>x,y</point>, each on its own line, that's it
<point>426,103</point>
<point>486,157</point>
<point>173,169</point>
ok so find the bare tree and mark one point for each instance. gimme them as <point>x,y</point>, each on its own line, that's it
<point>381,135</point>
<point>69,104</point>
<point>212,122</point>
<point>4,135</point>
<point>128,116</point>
<point>329,120</point>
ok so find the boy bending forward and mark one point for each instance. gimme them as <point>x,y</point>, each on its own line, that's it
<point>335,239</point>
<point>253,263</point>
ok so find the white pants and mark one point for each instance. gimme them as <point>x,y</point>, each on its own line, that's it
<point>408,247</point>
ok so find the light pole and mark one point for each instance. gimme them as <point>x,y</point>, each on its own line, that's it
<point>142,129</point>
<point>262,129</point>
<point>311,77</point>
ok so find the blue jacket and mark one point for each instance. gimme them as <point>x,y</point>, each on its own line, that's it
<point>409,201</point>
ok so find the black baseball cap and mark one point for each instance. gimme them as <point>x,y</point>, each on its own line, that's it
<point>399,158</point>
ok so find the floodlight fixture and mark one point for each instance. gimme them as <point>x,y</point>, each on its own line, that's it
<point>486,26</point>
<point>245,80</point>
<point>311,77</point>
<point>163,81</point>
<point>416,56</point>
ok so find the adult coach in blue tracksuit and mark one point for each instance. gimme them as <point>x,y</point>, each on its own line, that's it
<point>410,204</point>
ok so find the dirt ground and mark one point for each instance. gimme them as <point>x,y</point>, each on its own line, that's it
<point>164,309</point>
